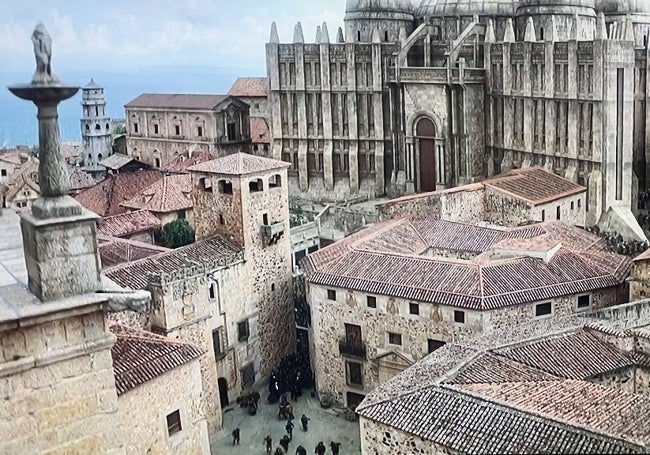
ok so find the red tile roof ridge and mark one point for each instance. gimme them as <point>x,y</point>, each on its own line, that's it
<point>462,262</point>
<point>519,408</point>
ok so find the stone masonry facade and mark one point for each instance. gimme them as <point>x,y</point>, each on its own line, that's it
<point>390,314</point>
<point>57,386</point>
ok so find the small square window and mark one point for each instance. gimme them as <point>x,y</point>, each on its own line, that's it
<point>459,316</point>
<point>433,345</point>
<point>395,338</point>
<point>584,301</point>
<point>331,294</point>
<point>543,309</point>
<point>212,290</point>
<point>371,301</point>
<point>243,331</point>
<point>3,172</point>
<point>414,308</point>
<point>174,423</point>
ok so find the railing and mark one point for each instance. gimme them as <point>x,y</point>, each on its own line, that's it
<point>272,232</point>
<point>349,349</point>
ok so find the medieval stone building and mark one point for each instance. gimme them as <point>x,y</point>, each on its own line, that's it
<point>418,98</point>
<point>96,132</point>
<point>162,127</point>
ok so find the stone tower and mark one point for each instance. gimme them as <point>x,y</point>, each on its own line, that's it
<point>95,127</point>
<point>245,197</point>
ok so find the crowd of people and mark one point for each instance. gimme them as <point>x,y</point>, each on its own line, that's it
<point>617,244</point>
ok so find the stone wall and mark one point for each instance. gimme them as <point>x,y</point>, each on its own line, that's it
<point>142,414</point>
<point>640,283</point>
<point>148,150</point>
<point>435,322</point>
<point>57,388</point>
<point>571,210</point>
<point>212,206</point>
<point>458,202</point>
<point>269,267</point>
<point>380,439</point>
<point>503,210</point>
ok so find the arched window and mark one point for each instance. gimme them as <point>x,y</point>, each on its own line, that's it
<point>212,291</point>
<point>97,127</point>
<point>275,181</point>
<point>206,183</point>
<point>108,127</point>
<point>255,186</point>
<point>87,128</point>
<point>222,221</point>
<point>99,157</point>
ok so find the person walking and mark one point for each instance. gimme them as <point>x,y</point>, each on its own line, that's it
<point>289,428</point>
<point>278,451</point>
<point>284,442</point>
<point>304,420</point>
<point>335,447</point>
<point>235,436</point>
<point>269,443</point>
<point>301,451</point>
<point>320,449</point>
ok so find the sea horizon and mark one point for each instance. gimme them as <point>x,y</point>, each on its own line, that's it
<point>18,124</point>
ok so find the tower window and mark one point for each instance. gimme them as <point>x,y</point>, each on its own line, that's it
<point>97,127</point>
<point>543,215</point>
<point>87,128</point>
<point>157,162</point>
<point>177,128</point>
<point>225,187</point>
<point>108,127</point>
<point>135,127</point>
<point>232,132</point>
<point>221,220</point>
<point>155,129</point>
<point>557,212</point>
<point>256,186</point>
<point>200,131</point>
<point>359,36</point>
<point>386,35</point>
<point>96,111</point>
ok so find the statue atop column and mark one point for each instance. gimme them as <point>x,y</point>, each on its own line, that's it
<point>43,54</point>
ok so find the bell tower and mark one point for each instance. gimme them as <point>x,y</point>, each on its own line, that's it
<point>97,139</point>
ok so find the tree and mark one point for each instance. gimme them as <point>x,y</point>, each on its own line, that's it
<point>119,130</point>
<point>178,233</point>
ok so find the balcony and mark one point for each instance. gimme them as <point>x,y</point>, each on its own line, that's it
<point>272,233</point>
<point>356,350</point>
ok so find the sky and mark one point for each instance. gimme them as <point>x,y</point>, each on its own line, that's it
<point>123,35</point>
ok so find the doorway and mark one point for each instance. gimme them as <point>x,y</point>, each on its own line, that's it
<point>223,392</point>
<point>425,132</point>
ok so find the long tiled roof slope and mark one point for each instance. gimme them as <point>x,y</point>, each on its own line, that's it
<point>114,251</point>
<point>176,101</point>
<point>126,224</point>
<point>140,356</point>
<point>402,258</point>
<point>535,185</point>
<point>135,275</point>
<point>169,194</point>
<point>532,388</point>
<point>105,198</point>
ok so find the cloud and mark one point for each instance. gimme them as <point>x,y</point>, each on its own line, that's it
<point>160,32</point>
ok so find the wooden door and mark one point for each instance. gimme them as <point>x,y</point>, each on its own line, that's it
<point>426,132</point>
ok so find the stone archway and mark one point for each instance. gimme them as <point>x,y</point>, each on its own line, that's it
<point>425,134</point>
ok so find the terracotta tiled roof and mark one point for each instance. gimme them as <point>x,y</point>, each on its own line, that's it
<point>105,197</point>
<point>467,424</point>
<point>249,87</point>
<point>18,184</point>
<point>558,356</point>
<point>10,157</point>
<point>114,251</point>
<point>116,161</point>
<point>135,275</point>
<point>495,369</point>
<point>260,130</point>
<point>643,256</point>
<point>535,185</point>
<point>126,224</point>
<point>80,179</point>
<point>183,162</point>
<point>599,408</point>
<point>169,194</point>
<point>401,258</point>
<point>176,101</point>
<point>523,389</point>
<point>140,356</point>
<point>240,164</point>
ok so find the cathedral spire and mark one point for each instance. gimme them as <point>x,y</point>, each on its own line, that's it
<point>529,36</point>
<point>509,36</point>
<point>601,27</point>
<point>375,38</point>
<point>324,34</point>
<point>298,37</point>
<point>490,36</point>
<point>274,39</point>
<point>339,36</point>
<point>629,29</point>
<point>318,34</point>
